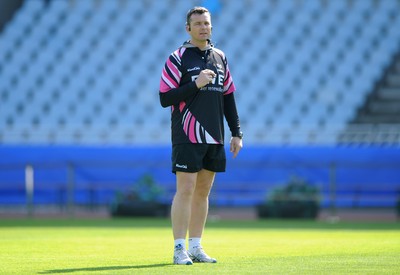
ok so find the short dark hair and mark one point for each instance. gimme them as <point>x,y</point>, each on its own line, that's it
<point>195,10</point>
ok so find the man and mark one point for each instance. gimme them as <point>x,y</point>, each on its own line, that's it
<point>197,84</point>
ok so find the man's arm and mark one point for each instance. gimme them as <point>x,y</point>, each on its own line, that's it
<point>175,96</point>
<point>232,118</point>
<point>231,114</point>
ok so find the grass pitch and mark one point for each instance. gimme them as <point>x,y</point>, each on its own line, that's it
<point>144,246</point>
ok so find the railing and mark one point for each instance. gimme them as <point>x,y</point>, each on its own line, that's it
<point>370,134</point>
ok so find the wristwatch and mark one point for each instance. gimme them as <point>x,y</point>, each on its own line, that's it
<point>239,135</point>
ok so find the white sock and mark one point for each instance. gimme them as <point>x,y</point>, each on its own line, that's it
<point>194,243</point>
<point>179,243</point>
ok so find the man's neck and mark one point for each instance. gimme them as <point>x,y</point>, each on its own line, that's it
<point>200,44</point>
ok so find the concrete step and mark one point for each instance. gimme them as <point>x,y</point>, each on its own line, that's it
<point>384,107</point>
<point>377,119</point>
<point>397,66</point>
<point>389,93</point>
<point>393,80</point>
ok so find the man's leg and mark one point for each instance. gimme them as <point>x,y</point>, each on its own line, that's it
<point>180,214</point>
<point>205,180</point>
<point>181,205</point>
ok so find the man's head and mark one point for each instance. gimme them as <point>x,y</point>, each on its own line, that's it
<point>198,25</point>
<point>195,11</point>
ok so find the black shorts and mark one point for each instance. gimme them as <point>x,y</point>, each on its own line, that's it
<point>194,157</point>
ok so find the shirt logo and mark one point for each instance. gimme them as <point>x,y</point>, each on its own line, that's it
<point>193,69</point>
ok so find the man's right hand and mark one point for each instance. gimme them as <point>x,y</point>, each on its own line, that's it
<point>205,77</point>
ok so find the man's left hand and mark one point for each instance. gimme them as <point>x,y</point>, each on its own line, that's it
<point>236,145</point>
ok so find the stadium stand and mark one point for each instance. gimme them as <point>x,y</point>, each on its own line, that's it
<point>71,70</point>
<point>308,72</point>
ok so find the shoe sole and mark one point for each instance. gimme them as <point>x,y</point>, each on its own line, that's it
<point>195,260</point>
<point>187,263</point>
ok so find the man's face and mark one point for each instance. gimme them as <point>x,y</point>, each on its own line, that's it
<point>200,27</point>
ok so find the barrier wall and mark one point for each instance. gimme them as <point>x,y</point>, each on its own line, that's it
<point>346,176</point>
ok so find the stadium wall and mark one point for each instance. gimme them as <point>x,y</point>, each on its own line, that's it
<point>346,176</point>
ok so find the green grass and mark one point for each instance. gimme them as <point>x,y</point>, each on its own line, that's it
<point>144,246</point>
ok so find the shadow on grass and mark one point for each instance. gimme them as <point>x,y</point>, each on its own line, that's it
<point>100,268</point>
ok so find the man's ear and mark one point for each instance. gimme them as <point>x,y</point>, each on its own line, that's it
<point>188,29</point>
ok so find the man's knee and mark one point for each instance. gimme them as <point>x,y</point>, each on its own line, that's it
<point>186,184</point>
